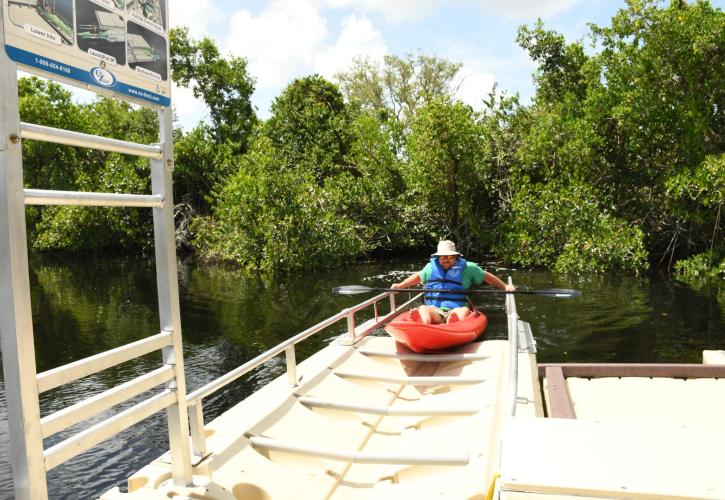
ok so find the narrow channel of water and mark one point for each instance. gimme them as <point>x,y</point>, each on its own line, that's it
<point>85,306</point>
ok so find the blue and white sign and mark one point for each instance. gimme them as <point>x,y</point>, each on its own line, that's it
<point>116,45</point>
<point>103,77</point>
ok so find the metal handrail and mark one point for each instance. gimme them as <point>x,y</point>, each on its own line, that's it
<point>513,374</point>
<point>86,439</point>
<point>22,382</point>
<point>354,334</point>
<point>513,338</point>
<point>229,377</point>
<point>83,410</point>
<point>65,374</point>
<point>71,138</point>
<point>87,198</point>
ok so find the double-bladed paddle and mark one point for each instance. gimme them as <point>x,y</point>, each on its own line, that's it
<point>559,293</point>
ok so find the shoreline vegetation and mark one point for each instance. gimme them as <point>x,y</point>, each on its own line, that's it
<point>616,166</point>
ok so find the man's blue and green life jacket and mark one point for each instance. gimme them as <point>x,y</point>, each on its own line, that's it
<point>446,280</point>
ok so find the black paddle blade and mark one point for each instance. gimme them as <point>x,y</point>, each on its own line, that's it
<point>351,289</point>
<point>559,293</point>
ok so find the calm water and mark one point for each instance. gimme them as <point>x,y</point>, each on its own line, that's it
<point>87,306</point>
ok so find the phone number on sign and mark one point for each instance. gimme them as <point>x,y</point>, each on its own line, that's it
<point>52,65</point>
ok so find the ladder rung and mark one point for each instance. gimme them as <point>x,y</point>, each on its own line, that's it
<point>359,457</point>
<point>405,356</point>
<point>93,364</point>
<point>71,138</point>
<point>87,438</point>
<point>442,380</point>
<point>71,415</point>
<point>412,410</point>
<point>87,198</point>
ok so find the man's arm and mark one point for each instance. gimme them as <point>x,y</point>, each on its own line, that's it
<point>495,281</point>
<point>411,280</point>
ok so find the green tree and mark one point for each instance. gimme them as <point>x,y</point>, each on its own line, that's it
<point>310,128</point>
<point>634,121</point>
<point>46,165</point>
<point>400,86</point>
<point>282,210</point>
<point>561,225</point>
<point>49,166</point>
<point>86,228</point>
<point>223,83</point>
<point>375,197</point>
<point>502,122</point>
<point>561,65</point>
<point>658,99</point>
<point>445,173</point>
<point>201,166</point>
<point>273,219</point>
<point>317,188</point>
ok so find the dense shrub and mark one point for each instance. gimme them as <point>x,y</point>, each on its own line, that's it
<point>270,219</point>
<point>703,265</point>
<point>619,159</point>
<point>564,227</point>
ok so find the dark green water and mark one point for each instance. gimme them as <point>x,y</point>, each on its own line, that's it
<point>85,306</point>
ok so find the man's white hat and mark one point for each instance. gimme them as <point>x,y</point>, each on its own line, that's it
<point>446,247</point>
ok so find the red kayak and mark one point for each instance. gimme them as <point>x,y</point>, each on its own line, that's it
<point>407,329</point>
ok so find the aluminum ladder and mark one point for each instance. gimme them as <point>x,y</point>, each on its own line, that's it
<point>23,384</point>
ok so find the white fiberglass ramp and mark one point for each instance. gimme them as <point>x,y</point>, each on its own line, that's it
<point>367,421</point>
<point>556,459</point>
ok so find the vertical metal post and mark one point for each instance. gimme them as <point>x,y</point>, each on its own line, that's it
<point>513,335</point>
<point>168,290</point>
<point>196,420</point>
<point>351,324</point>
<point>291,365</point>
<point>393,306</point>
<point>16,322</point>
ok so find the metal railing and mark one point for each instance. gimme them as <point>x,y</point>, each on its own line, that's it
<point>23,384</point>
<point>169,374</point>
<point>512,382</point>
<point>513,338</point>
<point>71,138</point>
<point>48,197</point>
<point>354,334</point>
<point>93,364</point>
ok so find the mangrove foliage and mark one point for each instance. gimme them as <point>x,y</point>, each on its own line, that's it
<point>616,165</point>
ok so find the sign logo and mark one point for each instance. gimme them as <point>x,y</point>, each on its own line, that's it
<point>103,77</point>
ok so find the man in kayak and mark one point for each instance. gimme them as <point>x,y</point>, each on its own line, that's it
<point>448,270</point>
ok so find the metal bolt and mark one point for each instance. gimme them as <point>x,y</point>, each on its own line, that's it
<point>14,138</point>
<point>169,163</point>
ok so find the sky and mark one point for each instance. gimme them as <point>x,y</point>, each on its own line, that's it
<point>287,39</point>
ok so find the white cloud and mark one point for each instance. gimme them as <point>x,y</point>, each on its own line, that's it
<point>414,10</point>
<point>280,42</point>
<point>358,38</point>
<point>197,16</point>
<point>396,11</point>
<point>475,81</point>
<point>190,110</point>
<point>528,9</point>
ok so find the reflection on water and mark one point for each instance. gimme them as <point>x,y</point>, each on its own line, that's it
<point>84,307</point>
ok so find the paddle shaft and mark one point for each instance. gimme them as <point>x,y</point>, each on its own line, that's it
<point>444,290</point>
<point>551,292</point>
